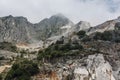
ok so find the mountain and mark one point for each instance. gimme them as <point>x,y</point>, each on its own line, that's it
<point>16,29</point>
<point>49,30</point>
<point>69,51</point>
<point>19,29</point>
<point>106,26</point>
<point>53,26</point>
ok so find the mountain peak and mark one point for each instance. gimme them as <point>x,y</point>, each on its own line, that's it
<point>83,22</point>
<point>83,25</point>
<point>59,15</point>
<point>10,16</point>
<point>7,17</point>
<point>20,18</point>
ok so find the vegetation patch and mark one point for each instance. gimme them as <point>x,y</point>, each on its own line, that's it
<point>22,70</point>
<point>8,46</point>
<point>59,50</point>
<point>106,36</point>
<point>81,34</point>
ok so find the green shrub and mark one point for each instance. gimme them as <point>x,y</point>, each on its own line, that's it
<point>58,50</point>
<point>23,51</point>
<point>81,34</point>
<point>65,47</point>
<point>97,36</point>
<point>76,47</point>
<point>8,46</point>
<point>22,70</point>
<point>40,55</point>
<point>86,39</point>
<point>106,36</point>
<point>2,57</point>
<point>0,77</point>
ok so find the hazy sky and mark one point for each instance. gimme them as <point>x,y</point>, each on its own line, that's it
<point>93,11</point>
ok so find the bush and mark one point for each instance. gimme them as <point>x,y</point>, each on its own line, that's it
<point>8,46</point>
<point>97,36</point>
<point>2,57</point>
<point>58,50</point>
<point>65,47</point>
<point>22,70</point>
<point>40,55</point>
<point>76,47</point>
<point>81,34</point>
<point>86,39</point>
<point>106,36</point>
<point>0,77</point>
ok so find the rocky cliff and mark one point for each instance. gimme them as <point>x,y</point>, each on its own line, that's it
<point>106,26</point>
<point>15,29</point>
<point>20,30</point>
<point>93,62</point>
<point>93,67</point>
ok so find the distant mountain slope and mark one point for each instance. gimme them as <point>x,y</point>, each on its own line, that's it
<point>16,29</point>
<point>106,26</point>
<point>20,30</point>
<point>53,26</point>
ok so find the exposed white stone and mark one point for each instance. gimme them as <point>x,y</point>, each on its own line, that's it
<point>65,27</point>
<point>97,69</point>
<point>83,25</point>
<point>81,71</point>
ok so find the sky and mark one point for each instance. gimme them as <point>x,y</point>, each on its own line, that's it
<point>93,11</point>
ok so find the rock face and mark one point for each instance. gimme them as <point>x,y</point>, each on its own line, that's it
<point>106,26</point>
<point>93,67</point>
<point>19,29</point>
<point>97,69</point>
<point>82,25</point>
<point>15,29</point>
<point>53,26</point>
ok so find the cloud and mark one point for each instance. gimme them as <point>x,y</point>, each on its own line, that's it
<point>93,11</point>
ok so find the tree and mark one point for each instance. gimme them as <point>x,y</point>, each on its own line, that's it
<point>85,39</point>
<point>97,36</point>
<point>81,34</point>
<point>107,36</point>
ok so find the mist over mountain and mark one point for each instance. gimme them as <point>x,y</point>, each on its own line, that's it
<point>19,29</point>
